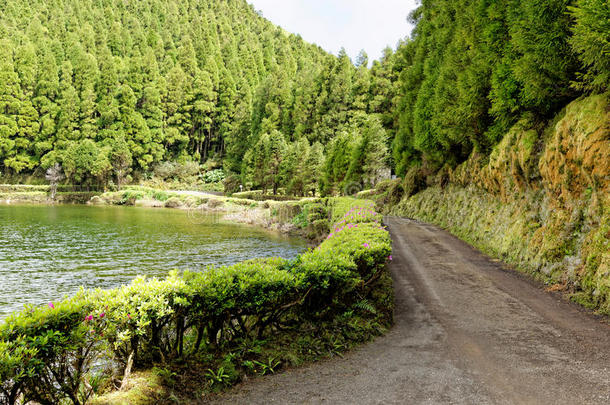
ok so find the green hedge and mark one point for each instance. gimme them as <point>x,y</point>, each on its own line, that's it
<point>62,352</point>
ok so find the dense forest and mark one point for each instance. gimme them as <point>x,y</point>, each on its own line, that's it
<point>472,68</point>
<point>103,87</point>
<point>111,87</point>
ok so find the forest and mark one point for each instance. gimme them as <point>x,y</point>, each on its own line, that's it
<point>112,90</point>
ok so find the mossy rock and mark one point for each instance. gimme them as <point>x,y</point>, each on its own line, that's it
<point>173,202</point>
<point>142,388</point>
<point>215,203</point>
<point>97,200</point>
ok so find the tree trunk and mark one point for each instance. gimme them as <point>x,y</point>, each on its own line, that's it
<point>53,191</point>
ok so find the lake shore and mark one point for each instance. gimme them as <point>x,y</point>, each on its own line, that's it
<point>277,216</point>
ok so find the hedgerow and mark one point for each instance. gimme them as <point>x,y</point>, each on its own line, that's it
<point>70,350</point>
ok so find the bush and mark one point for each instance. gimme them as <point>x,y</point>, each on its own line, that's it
<point>231,184</point>
<point>47,354</point>
<point>415,181</point>
<point>182,172</point>
<point>214,176</point>
<point>215,203</point>
<point>173,202</point>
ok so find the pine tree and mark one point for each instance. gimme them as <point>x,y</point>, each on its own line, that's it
<point>9,102</point>
<point>276,152</point>
<point>69,103</point>
<point>121,160</point>
<point>296,179</point>
<point>204,100</point>
<point>313,169</point>
<point>590,41</point>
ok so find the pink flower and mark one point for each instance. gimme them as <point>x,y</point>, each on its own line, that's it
<point>129,316</point>
<point>51,305</point>
<point>390,257</point>
<point>89,318</point>
<point>366,245</point>
<point>103,314</point>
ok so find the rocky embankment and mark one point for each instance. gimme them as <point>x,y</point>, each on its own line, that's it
<point>540,201</point>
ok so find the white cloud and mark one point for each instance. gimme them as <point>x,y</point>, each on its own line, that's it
<point>354,24</point>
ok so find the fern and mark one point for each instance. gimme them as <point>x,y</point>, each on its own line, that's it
<point>366,306</point>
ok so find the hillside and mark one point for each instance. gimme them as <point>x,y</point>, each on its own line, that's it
<point>114,87</point>
<point>542,205</point>
<point>164,77</point>
<point>502,123</point>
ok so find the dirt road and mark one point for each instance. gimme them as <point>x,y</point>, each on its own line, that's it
<point>468,331</point>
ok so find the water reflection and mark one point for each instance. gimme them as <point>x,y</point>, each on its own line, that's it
<point>47,252</point>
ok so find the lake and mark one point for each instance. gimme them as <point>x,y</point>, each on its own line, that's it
<point>47,252</point>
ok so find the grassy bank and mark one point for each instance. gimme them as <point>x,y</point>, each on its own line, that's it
<point>310,218</point>
<point>195,333</point>
<point>39,194</point>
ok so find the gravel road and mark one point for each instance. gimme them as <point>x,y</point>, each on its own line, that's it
<point>468,331</point>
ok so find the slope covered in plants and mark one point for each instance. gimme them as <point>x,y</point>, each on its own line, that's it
<point>474,68</point>
<point>541,204</point>
<point>115,88</point>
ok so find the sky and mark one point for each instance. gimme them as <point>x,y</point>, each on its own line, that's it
<point>353,24</point>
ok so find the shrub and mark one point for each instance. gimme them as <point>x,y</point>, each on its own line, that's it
<point>48,354</point>
<point>214,176</point>
<point>231,184</point>
<point>215,203</point>
<point>415,181</point>
<point>182,172</point>
<point>173,202</point>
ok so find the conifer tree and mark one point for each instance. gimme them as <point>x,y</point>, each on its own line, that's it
<point>9,103</point>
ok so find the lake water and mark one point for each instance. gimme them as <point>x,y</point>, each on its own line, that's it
<point>47,252</point>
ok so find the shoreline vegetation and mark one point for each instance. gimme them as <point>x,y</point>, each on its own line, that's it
<point>289,215</point>
<point>192,334</point>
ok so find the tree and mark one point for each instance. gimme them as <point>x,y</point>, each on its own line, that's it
<point>85,162</point>
<point>255,169</point>
<point>177,110</point>
<point>204,99</point>
<point>294,167</point>
<point>276,152</point>
<point>54,175</point>
<point>9,102</point>
<point>121,161</point>
<point>590,41</point>
<point>313,169</point>
<point>544,63</point>
<point>368,160</point>
<point>69,103</point>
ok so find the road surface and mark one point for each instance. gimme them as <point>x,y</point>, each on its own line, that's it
<point>468,331</point>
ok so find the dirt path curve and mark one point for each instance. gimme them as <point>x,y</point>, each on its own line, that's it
<point>468,331</point>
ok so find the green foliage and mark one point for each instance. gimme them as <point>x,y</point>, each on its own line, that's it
<point>206,81</point>
<point>48,353</point>
<point>177,171</point>
<point>590,40</point>
<point>471,69</point>
<point>166,77</point>
<point>218,377</point>
<point>269,366</point>
<point>214,176</point>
